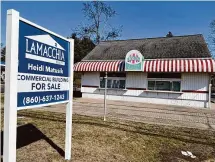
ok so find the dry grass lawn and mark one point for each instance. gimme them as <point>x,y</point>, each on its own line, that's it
<point>41,139</point>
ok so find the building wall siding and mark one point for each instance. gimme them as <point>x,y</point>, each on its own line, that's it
<point>90,79</point>
<point>190,81</point>
<point>136,80</point>
<point>198,82</point>
<point>195,81</point>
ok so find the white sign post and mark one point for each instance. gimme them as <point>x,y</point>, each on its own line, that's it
<point>39,72</point>
<point>68,140</point>
<point>10,101</point>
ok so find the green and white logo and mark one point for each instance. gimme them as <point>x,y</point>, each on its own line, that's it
<point>134,61</point>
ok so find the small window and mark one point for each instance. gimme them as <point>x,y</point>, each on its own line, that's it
<point>151,85</point>
<point>176,86</point>
<point>114,80</point>
<point>102,83</point>
<point>109,83</point>
<point>164,81</point>
<point>164,85</point>
<point>122,84</point>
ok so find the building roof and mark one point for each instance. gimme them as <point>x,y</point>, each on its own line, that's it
<point>188,46</point>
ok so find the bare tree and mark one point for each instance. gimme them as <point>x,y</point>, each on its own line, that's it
<point>98,13</point>
<point>211,39</point>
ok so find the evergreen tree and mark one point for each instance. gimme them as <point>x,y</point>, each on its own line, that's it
<point>169,34</point>
<point>3,52</point>
<point>82,47</point>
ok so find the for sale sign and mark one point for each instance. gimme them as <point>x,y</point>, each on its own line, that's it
<point>43,67</point>
<point>38,72</point>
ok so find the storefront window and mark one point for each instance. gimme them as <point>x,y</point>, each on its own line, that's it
<point>122,84</point>
<point>151,85</point>
<point>102,83</point>
<point>164,82</point>
<point>164,85</point>
<point>114,80</point>
<point>109,83</point>
<point>176,86</point>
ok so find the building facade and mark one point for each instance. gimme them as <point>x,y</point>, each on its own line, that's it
<point>172,71</point>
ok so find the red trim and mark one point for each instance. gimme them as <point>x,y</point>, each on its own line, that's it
<point>167,66</point>
<point>206,63</point>
<point>211,63</point>
<point>194,91</point>
<point>188,62</point>
<point>130,88</point>
<point>202,65</point>
<point>90,86</point>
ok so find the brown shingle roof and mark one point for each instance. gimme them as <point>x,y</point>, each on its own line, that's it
<point>189,46</point>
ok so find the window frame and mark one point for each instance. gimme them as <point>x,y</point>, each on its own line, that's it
<point>113,78</point>
<point>164,79</point>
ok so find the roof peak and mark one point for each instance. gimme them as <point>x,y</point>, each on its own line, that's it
<point>152,38</point>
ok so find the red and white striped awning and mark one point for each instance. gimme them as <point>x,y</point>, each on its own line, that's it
<point>179,65</point>
<point>158,65</point>
<point>100,66</point>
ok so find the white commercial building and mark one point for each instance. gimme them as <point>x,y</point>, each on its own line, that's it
<point>170,70</point>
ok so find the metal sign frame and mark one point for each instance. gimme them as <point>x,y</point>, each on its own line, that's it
<point>11,71</point>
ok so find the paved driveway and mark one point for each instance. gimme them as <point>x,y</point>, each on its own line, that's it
<point>143,112</point>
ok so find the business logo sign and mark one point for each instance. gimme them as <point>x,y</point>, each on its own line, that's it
<point>43,68</point>
<point>44,48</point>
<point>134,61</point>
